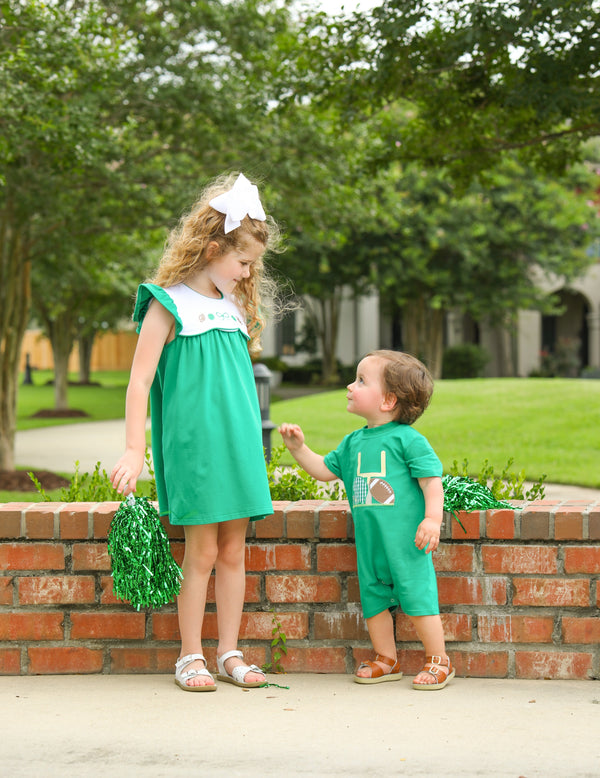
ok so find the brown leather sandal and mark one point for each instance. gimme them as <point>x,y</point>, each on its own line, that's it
<point>377,674</point>
<point>441,672</point>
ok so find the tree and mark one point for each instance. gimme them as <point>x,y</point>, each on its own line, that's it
<point>478,78</point>
<point>481,252</point>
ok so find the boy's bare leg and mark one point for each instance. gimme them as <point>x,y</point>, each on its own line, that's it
<point>431,634</point>
<point>381,632</point>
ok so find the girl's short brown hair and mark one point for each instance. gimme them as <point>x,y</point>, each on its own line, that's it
<point>408,380</point>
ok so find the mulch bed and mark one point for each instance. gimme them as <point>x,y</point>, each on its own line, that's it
<point>19,481</point>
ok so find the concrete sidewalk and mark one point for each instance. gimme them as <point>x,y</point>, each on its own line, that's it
<point>323,725</point>
<point>58,448</point>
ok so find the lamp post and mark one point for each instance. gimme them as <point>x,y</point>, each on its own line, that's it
<point>262,378</point>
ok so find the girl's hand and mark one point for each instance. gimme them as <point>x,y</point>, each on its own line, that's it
<point>125,473</point>
<point>292,435</point>
<point>428,535</point>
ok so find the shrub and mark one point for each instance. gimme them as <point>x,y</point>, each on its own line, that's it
<point>464,361</point>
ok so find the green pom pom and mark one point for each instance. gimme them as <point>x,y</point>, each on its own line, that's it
<point>465,494</point>
<point>144,571</point>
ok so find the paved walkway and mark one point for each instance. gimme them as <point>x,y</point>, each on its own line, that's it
<point>58,448</point>
<point>323,725</point>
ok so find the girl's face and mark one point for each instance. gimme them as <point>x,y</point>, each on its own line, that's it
<point>234,265</point>
<point>366,395</point>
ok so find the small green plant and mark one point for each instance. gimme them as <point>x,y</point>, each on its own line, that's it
<point>506,486</point>
<point>84,487</point>
<point>293,483</point>
<point>278,647</point>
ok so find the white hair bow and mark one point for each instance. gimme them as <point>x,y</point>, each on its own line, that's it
<point>240,201</point>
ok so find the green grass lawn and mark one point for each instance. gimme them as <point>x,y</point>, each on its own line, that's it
<point>106,401</point>
<point>547,426</point>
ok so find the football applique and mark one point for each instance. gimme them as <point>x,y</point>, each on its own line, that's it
<point>381,491</point>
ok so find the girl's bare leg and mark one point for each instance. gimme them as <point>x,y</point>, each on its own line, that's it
<point>230,589</point>
<point>381,632</point>
<point>198,562</point>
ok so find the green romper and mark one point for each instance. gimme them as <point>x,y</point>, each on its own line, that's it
<point>380,467</point>
<point>207,447</point>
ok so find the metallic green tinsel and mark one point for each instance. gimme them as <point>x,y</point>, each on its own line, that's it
<point>465,494</point>
<point>144,571</point>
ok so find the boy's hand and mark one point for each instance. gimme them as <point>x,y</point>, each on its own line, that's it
<point>428,535</point>
<point>292,435</point>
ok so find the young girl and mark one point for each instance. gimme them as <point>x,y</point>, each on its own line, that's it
<point>200,318</point>
<point>393,481</point>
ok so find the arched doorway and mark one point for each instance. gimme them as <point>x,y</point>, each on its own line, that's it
<point>565,338</point>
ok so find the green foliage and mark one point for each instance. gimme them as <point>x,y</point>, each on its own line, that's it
<point>464,361</point>
<point>84,488</point>
<point>506,485</point>
<point>292,483</point>
<point>278,647</point>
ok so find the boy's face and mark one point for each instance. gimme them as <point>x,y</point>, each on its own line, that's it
<point>366,395</point>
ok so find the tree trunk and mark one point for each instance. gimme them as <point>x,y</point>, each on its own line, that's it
<point>423,334</point>
<point>328,335</point>
<point>62,338</point>
<point>15,291</point>
<point>86,344</point>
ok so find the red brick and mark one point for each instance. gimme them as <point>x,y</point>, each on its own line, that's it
<point>520,559</point>
<point>449,558</point>
<point>470,590</point>
<point>514,629</point>
<point>582,559</point>
<point>594,524</point>
<point>584,630</point>
<point>552,592</point>
<point>480,664</point>
<point>107,597</point>
<point>535,522</point>
<point>333,520</point>
<point>337,557</point>
<point>554,665</point>
<point>73,521</point>
<point>353,588</point>
<point>54,590</point>
<point>165,626</point>
<point>300,519</point>
<point>29,625</point>
<point>143,660</point>
<point>10,661</point>
<point>315,660</point>
<point>100,626</point>
<point>32,556</point>
<point>270,526</point>
<point>10,519</point>
<point>90,556</point>
<point>568,523</point>
<point>6,590</point>
<point>57,661</point>
<point>457,627</point>
<point>260,625</point>
<point>500,524</point>
<point>470,522</point>
<point>178,551</point>
<point>102,517</point>
<point>281,556</point>
<point>39,521</point>
<point>340,626</point>
<point>302,588</point>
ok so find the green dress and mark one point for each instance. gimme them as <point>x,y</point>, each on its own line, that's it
<point>206,427</point>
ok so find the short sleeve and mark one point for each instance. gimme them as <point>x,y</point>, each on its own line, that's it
<point>148,292</point>
<point>332,463</point>
<point>422,460</point>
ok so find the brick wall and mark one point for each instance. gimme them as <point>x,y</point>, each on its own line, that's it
<point>519,593</point>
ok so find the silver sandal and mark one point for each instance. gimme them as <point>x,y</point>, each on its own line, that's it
<point>238,673</point>
<point>181,676</point>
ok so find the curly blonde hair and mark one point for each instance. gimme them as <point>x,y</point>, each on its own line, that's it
<point>409,380</point>
<point>186,253</point>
